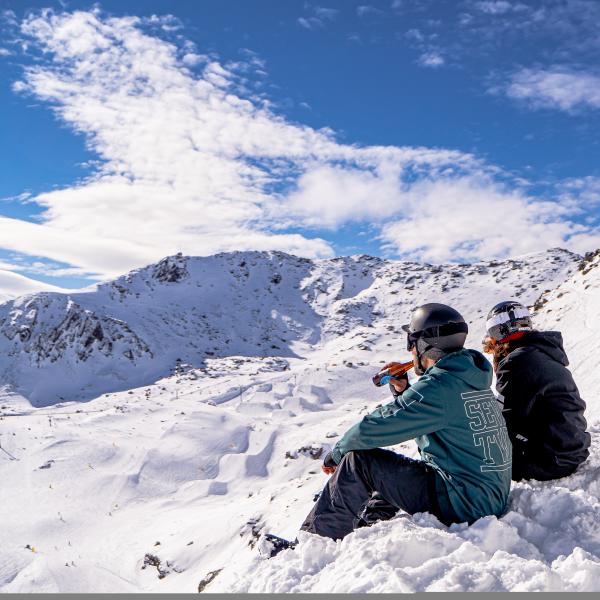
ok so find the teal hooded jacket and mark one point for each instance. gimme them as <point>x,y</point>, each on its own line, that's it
<point>457,423</point>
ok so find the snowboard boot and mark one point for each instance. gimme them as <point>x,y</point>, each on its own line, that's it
<point>376,509</point>
<point>271,545</point>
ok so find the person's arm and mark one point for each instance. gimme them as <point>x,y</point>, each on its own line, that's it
<point>417,411</point>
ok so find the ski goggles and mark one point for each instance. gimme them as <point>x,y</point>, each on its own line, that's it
<point>432,333</point>
<point>411,340</point>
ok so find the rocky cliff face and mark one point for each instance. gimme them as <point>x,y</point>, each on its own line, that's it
<point>48,328</point>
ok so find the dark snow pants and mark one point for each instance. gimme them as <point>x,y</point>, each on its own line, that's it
<point>524,469</point>
<point>399,481</point>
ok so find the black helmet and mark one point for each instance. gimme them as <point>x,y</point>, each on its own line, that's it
<point>507,318</point>
<point>435,329</point>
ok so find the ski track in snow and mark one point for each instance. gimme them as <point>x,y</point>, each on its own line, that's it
<point>190,469</point>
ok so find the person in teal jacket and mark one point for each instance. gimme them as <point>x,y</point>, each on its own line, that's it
<point>465,468</point>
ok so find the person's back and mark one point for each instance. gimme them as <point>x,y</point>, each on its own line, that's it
<point>471,449</point>
<point>542,407</point>
<point>543,410</point>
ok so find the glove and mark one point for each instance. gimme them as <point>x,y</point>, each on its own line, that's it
<point>329,465</point>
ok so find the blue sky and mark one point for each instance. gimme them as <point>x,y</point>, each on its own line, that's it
<point>432,131</point>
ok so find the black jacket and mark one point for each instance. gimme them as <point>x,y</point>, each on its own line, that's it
<point>542,407</point>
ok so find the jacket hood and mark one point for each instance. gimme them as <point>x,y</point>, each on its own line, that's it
<point>469,365</point>
<point>548,342</point>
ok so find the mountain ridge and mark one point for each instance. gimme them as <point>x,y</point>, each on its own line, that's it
<point>132,330</point>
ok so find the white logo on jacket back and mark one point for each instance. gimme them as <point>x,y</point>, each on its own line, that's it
<point>489,429</point>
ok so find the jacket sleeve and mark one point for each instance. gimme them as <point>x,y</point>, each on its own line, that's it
<point>418,411</point>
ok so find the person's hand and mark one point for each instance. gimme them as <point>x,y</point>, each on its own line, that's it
<point>399,384</point>
<point>329,465</point>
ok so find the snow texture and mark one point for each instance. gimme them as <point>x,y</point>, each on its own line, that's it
<point>152,428</point>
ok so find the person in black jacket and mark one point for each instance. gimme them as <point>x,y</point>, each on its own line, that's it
<point>542,406</point>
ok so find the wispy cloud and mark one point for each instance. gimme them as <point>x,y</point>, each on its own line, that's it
<point>431,59</point>
<point>366,10</point>
<point>427,43</point>
<point>498,7</point>
<point>581,190</point>
<point>188,162</point>
<point>558,88</point>
<point>565,31</point>
<point>318,17</point>
<point>328,14</point>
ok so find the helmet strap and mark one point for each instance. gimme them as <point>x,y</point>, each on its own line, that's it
<point>419,367</point>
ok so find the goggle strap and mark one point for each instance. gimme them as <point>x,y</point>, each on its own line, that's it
<point>439,331</point>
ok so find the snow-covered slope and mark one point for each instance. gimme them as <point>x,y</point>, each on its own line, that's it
<point>574,309</point>
<point>13,285</point>
<point>132,331</point>
<point>167,486</point>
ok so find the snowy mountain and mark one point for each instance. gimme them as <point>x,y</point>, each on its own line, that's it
<point>573,307</point>
<point>166,479</point>
<point>132,331</point>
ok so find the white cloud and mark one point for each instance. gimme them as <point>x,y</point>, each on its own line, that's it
<point>328,14</point>
<point>188,164</point>
<point>583,191</point>
<point>414,35</point>
<point>329,196</point>
<point>366,10</point>
<point>450,217</point>
<point>431,59</point>
<point>468,218</point>
<point>320,16</point>
<point>311,23</point>
<point>556,87</point>
<point>494,7</point>
<point>192,59</point>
